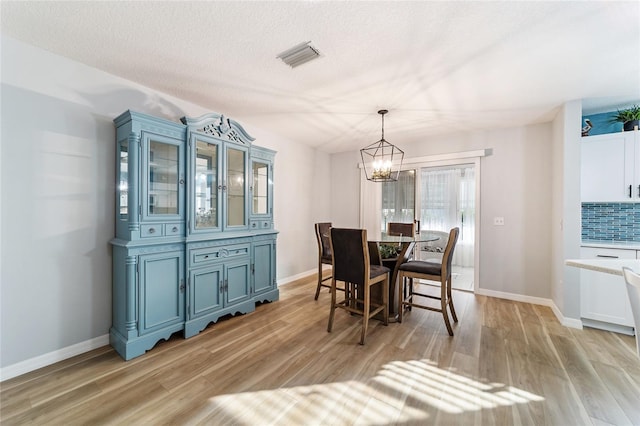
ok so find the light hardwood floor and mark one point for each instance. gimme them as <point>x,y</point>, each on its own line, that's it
<point>508,363</point>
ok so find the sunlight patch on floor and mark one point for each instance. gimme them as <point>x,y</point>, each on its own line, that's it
<point>401,391</point>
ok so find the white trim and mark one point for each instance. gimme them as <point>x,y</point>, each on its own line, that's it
<point>292,278</point>
<point>476,225</point>
<point>32,364</point>
<point>616,328</point>
<point>567,322</point>
<point>449,159</point>
<point>450,156</point>
<point>444,157</point>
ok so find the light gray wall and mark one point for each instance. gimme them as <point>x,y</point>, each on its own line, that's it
<point>566,206</point>
<point>345,189</point>
<point>301,185</point>
<point>57,197</point>
<point>571,206</point>
<point>557,209</point>
<point>515,184</point>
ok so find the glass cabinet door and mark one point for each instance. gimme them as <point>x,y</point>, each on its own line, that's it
<point>206,210</point>
<point>260,188</point>
<point>164,177</point>
<point>236,187</point>
<point>123,179</point>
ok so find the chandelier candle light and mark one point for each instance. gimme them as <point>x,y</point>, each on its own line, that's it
<point>379,157</point>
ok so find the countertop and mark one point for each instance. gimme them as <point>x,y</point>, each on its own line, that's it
<point>608,266</point>
<point>626,245</point>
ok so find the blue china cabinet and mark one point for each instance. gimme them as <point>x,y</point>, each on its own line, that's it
<point>195,239</point>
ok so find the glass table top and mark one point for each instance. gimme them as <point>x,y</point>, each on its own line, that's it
<point>421,237</point>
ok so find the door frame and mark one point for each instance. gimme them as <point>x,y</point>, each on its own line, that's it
<point>369,193</point>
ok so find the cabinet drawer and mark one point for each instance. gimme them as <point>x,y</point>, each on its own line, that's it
<point>261,224</point>
<point>173,229</point>
<point>155,230</point>
<point>213,254</point>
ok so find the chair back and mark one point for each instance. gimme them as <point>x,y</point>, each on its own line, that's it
<point>374,253</point>
<point>322,235</point>
<point>447,256</point>
<point>397,228</point>
<point>633,289</point>
<point>350,255</point>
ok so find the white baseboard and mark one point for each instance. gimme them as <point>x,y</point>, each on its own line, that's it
<point>567,322</point>
<point>622,329</point>
<point>32,364</point>
<point>287,280</point>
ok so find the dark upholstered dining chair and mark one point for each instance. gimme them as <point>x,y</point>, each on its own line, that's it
<point>398,228</point>
<point>352,265</point>
<point>430,271</point>
<point>324,254</point>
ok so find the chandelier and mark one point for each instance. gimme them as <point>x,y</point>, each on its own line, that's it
<point>379,157</point>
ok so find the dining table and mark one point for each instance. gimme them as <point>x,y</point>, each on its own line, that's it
<point>404,247</point>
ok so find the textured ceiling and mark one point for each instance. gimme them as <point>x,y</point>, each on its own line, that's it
<point>438,67</point>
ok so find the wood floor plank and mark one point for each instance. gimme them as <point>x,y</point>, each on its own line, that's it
<point>61,365</point>
<point>609,348</point>
<point>562,405</point>
<point>66,379</point>
<point>597,400</point>
<point>526,366</point>
<point>468,333</point>
<point>508,363</point>
<point>174,408</point>
<point>622,388</point>
<point>114,406</point>
<point>53,408</point>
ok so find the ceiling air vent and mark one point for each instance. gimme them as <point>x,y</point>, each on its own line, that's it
<point>299,54</point>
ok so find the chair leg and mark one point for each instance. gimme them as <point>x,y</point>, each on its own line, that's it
<point>404,291</point>
<point>319,281</point>
<point>450,301</point>
<point>401,295</point>
<point>410,297</point>
<point>333,304</point>
<point>385,300</point>
<point>443,306</point>
<point>365,313</point>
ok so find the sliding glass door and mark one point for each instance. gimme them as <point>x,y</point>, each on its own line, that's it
<point>441,198</point>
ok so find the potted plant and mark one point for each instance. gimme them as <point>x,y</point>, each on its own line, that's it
<point>628,117</point>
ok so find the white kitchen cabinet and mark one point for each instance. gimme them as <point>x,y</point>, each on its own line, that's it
<point>604,302</point>
<point>610,167</point>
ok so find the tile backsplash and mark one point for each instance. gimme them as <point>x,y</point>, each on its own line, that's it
<point>611,221</point>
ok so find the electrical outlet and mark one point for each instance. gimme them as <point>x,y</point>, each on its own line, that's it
<point>498,221</point>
